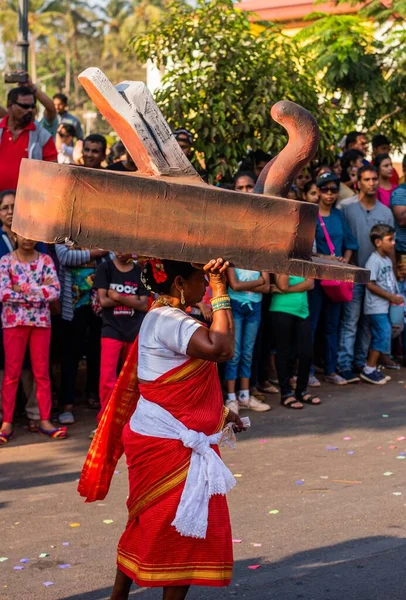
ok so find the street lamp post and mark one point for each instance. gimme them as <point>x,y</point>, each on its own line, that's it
<point>22,40</point>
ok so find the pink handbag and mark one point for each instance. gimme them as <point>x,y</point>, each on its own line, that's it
<point>337,291</point>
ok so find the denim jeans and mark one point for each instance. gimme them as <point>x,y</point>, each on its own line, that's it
<point>381,332</point>
<point>247,318</point>
<point>320,305</point>
<point>354,333</point>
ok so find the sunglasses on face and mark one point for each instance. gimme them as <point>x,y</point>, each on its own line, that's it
<point>333,190</point>
<point>26,106</point>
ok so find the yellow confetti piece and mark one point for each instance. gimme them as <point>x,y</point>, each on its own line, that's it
<point>274,512</point>
<point>108,521</point>
<point>237,474</point>
<point>74,524</point>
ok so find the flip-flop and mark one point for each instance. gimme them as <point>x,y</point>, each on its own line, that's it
<point>5,438</point>
<point>59,433</point>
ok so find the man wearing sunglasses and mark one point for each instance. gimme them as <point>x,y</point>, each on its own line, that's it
<point>21,137</point>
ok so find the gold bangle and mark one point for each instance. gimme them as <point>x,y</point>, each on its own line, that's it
<point>217,299</point>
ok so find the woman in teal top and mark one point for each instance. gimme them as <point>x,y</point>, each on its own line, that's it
<point>292,333</point>
<point>245,291</point>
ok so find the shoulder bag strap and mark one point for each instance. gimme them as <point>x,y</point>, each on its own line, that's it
<point>326,234</point>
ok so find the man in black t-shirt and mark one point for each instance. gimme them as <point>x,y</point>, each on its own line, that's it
<point>124,302</point>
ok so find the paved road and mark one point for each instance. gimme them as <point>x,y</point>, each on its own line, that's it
<point>339,533</point>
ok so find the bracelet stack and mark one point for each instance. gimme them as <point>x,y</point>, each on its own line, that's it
<point>221,303</point>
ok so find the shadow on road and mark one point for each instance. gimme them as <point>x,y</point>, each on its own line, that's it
<point>368,568</point>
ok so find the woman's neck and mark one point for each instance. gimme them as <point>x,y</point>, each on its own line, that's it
<point>167,300</point>
<point>25,255</point>
<point>324,210</point>
<point>385,183</point>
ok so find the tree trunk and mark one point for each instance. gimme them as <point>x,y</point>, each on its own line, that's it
<point>33,58</point>
<point>68,68</point>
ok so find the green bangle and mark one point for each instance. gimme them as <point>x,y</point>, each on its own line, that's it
<point>222,306</point>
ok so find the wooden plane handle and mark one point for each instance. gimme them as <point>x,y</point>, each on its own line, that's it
<point>277,177</point>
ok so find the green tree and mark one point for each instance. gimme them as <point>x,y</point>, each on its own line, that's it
<point>360,60</point>
<point>222,77</point>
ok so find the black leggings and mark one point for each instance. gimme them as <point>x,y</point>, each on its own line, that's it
<point>292,339</point>
<point>81,335</point>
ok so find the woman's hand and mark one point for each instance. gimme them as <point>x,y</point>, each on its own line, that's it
<point>232,417</point>
<point>205,310</point>
<point>216,270</point>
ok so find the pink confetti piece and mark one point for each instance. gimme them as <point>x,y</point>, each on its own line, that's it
<point>379,447</point>
<point>48,583</point>
<point>237,541</point>
<point>401,438</point>
<point>347,438</point>
<point>263,441</point>
<point>392,447</point>
<point>253,567</point>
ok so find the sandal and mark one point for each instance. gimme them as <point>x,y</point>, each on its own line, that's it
<point>293,400</point>
<point>59,433</point>
<point>93,402</point>
<point>33,427</point>
<point>309,399</point>
<point>268,388</point>
<point>5,438</point>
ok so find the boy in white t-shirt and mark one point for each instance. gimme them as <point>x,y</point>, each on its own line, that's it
<point>381,292</point>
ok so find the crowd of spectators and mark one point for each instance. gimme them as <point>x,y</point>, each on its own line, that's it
<point>64,305</point>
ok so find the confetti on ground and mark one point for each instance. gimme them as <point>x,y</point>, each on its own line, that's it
<point>263,441</point>
<point>402,454</point>
<point>101,504</point>
<point>331,448</point>
<point>323,476</point>
<point>237,474</point>
<point>256,545</point>
<point>401,382</point>
<point>274,512</point>
<point>350,452</point>
<point>3,558</point>
<point>18,568</point>
<point>108,521</point>
<point>116,472</point>
<point>385,416</point>
<point>299,482</point>
<point>392,447</point>
<point>401,438</point>
<point>401,457</point>
<point>64,566</point>
<point>237,541</point>
<point>320,491</point>
<point>397,493</point>
<point>24,560</point>
<point>347,438</point>
<point>379,447</point>
<point>65,543</point>
<point>388,473</point>
<point>253,567</point>
<point>43,555</point>
<point>345,481</point>
<point>74,524</point>
<point>48,583</point>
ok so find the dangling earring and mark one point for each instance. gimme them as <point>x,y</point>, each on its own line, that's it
<point>182,298</point>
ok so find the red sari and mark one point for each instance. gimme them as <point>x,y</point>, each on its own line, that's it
<point>151,551</point>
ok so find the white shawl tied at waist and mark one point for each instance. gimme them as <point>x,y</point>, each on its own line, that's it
<point>207,473</point>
